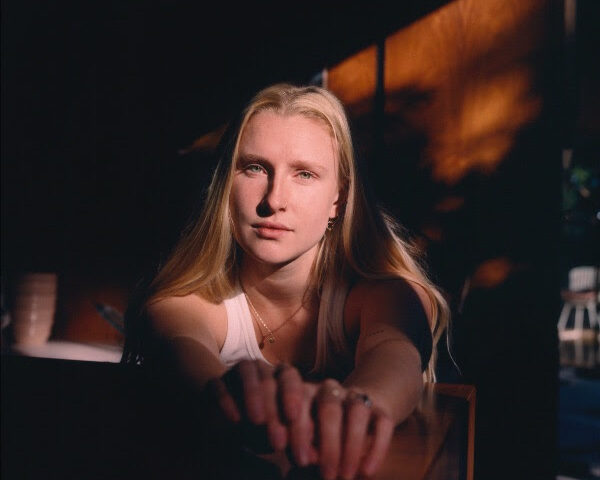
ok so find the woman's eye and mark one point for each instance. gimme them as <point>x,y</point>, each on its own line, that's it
<point>254,168</point>
<point>305,175</point>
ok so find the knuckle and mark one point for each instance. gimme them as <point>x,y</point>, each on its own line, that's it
<point>330,383</point>
<point>384,421</point>
<point>284,369</point>
<point>265,370</point>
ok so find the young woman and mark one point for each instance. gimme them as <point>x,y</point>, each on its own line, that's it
<point>293,299</point>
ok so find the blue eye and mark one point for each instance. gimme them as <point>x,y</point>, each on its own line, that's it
<point>254,168</point>
<point>305,175</point>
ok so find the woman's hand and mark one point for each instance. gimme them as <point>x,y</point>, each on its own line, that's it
<point>248,395</point>
<point>320,423</point>
<point>351,434</point>
<point>337,428</point>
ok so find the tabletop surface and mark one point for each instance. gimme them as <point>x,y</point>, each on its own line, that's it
<point>437,436</point>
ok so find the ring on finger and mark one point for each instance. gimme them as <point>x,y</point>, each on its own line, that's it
<point>331,393</point>
<point>359,397</point>
<point>335,392</point>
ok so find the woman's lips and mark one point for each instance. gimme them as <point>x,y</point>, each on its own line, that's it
<point>270,230</point>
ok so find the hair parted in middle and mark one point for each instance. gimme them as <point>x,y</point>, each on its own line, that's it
<point>364,242</point>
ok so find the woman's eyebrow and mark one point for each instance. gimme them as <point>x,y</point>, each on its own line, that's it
<point>250,157</point>
<point>308,165</point>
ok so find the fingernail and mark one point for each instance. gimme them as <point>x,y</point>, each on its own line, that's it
<point>280,440</point>
<point>367,470</point>
<point>303,458</point>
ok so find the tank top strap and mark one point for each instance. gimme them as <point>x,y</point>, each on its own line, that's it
<point>240,341</point>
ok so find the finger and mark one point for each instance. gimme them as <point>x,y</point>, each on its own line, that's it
<point>268,387</point>
<point>291,392</point>
<point>329,415</point>
<point>357,416</point>
<point>276,431</point>
<point>301,430</point>
<point>253,396</point>
<point>278,435</point>
<point>384,429</point>
<point>225,401</point>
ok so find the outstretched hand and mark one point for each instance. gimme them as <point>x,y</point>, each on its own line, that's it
<point>323,424</point>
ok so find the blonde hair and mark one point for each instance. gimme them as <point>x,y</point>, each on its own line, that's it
<point>364,243</point>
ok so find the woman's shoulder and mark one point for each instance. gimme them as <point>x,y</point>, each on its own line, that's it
<point>375,294</point>
<point>188,315</point>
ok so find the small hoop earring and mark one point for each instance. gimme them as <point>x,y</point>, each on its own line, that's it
<point>330,224</point>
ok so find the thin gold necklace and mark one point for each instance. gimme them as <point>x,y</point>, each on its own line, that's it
<point>269,336</point>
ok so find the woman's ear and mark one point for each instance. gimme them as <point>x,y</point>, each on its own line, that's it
<point>339,204</point>
<point>333,211</point>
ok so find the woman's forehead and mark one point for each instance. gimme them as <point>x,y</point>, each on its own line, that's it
<point>274,116</point>
<point>269,132</point>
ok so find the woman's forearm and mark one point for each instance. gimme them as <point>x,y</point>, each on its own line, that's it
<point>390,374</point>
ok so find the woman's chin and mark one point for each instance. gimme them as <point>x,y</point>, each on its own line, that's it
<point>274,258</point>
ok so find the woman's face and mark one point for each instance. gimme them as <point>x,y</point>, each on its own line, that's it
<point>285,187</point>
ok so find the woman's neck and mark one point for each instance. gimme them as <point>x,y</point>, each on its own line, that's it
<point>281,297</point>
<point>282,286</point>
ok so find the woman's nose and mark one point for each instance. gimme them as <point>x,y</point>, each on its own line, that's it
<point>276,196</point>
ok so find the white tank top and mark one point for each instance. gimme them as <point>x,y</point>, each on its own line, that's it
<point>240,341</point>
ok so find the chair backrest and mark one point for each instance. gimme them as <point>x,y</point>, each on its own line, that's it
<point>583,278</point>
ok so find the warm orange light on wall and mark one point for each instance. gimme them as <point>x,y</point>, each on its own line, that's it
<point>483,129</point>
<point>354,81</point>
<point>471,60</point>
<point>461,76</point>
<point>492,273</point>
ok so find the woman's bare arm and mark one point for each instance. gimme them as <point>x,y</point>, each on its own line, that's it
<point>189,334</point>
<point>388,365</point>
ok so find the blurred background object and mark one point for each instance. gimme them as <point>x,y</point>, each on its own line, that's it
<point>33,308</point>
<point>580,302</point>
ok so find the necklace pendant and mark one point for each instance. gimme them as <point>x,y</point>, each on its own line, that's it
<point>271,339</point>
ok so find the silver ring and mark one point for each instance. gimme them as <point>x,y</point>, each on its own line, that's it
<point>361,397</point>
<point>365,399</point>
<point>336,392</point>
<point>331,393</point>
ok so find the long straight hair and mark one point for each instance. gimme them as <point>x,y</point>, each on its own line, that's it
<point>364,243</point>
